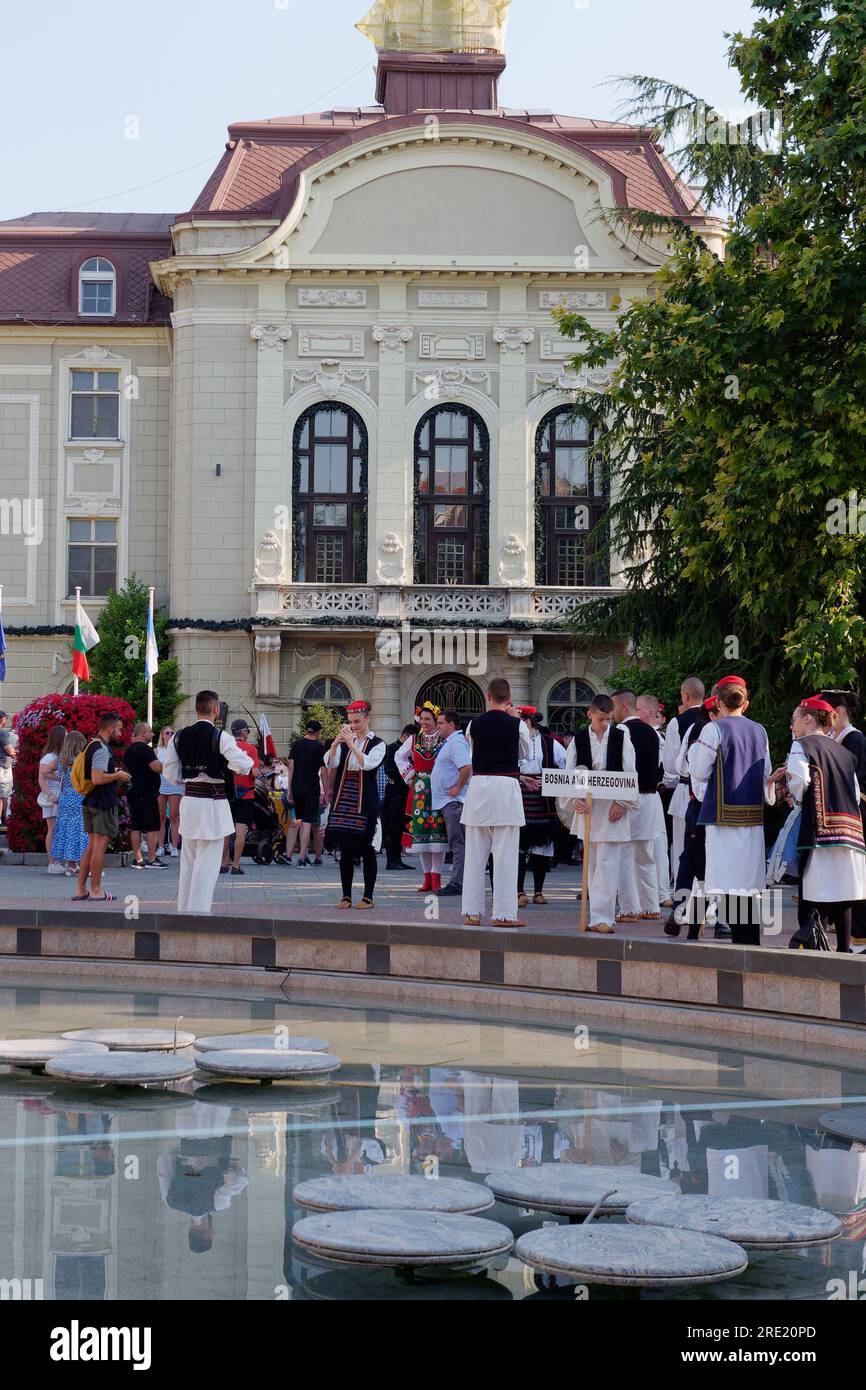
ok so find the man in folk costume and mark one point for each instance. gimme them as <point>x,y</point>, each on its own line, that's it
<point>353,761</point>
<point>536,837</point>
<point>693,860</point>
<point>639,885</point>
<point>650,711</point>
<point>394,804</point>
<point>732,756</point>
<point>602,748</point>
<point>845,705</point>
<point>822,777</point>
<point>200,757</point>
<point>427,835</point>
<point>692,695</point>
<point>493,814</point>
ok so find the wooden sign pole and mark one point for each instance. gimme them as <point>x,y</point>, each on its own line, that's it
<point>584,878</point>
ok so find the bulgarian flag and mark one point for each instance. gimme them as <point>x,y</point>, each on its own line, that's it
<point>267,739</point>
<point>86,637</point>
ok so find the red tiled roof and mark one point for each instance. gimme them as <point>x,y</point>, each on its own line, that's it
<point>40,255</point>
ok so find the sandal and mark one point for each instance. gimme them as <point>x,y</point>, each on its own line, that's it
<point>81,898</point>
<point>472,921</point>
<point>106,898</point>
<point>365,904</point>
<point>627,917</point>
<point>522,900</point>
<point>540,900</point>
<point>344,905</point>
<point>603,929</point>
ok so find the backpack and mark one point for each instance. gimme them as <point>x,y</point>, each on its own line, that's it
<point>78,778</point>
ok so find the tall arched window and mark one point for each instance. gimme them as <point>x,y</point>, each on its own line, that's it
<point>452,497</point>
<point>97,288</point>
<point>328,691</point>
<point>330,496</point>
<point>567,705</point>
<point>571,497</point>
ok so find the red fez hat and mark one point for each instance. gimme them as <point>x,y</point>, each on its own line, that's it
<point>527,709</point>
<point>359,707</point>
<point>815,702</point>
<point>733,680</point>
<point>712,702</point>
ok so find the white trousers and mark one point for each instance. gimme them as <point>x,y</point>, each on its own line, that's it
<point>639,884</point>
<point>199,871</point>
<point>663,870</point>
<point>605,867</point>
<point>677,844</point>
<point>503,842</point>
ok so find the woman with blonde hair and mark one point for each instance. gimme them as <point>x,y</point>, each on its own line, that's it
<point>169,798</point>
<point>70,838</point>
<point>49,791</point>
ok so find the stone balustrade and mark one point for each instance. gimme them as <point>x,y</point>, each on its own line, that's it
<point>489,606</point>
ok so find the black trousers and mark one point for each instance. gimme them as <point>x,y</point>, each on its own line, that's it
<point>347,869</point>
<point>693,861</point>
<point>540,866</point>
<point>393,820</point>
<point>838,915</point>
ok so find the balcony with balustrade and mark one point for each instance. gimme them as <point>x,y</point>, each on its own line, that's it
<point>381,605</point>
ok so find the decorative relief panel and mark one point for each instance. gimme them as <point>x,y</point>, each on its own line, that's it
<point>554,346</point>
<point>392,337</point>
<point>270,335</point>
<point>463,347</point>
<point>332,299</point>
<point>469,603</point>
<point>573,299</point>
<point>335,602</point>
<point>452,299</point>
<point>514,339</point>
<point>449,381</point>
<point>587,379</point>
<point>331,376</point>
<point>316,342</point>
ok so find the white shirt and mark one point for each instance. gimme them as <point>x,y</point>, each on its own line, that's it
<point>533,765</point>
<point>492,801</point>
<point>736,854</point>
<point>833,873</point>
<point>201,818</point>
<point>365,763</point>
<point>601,826</point>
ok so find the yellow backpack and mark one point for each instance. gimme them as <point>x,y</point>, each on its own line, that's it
<point>78,778</point>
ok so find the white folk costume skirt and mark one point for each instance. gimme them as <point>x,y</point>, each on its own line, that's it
<point>736,859</point>
<point>834,874</point>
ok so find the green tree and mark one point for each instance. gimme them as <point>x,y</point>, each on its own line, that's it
<point>331,721</point>
<point>736,418</point>
<point>117,663</point>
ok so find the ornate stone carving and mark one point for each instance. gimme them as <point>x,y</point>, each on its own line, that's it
<point>316,342</point>
<point>268,648</point>
<point>270,335</point>
<point>514,339</point>
<point>444,382</point>
<point>556,604</point>
<point>94,504</point>
<point>392,338</point>
<point>389,559</point>
<point>452,299</point>
<point>93,455</point>
<point>521,648</point>
<point>466,347</point>
<point>554,345</point>
<point>587,379</point>
<point>94,354</point>
<point>331,376</point>
<point>467,603</point>
<point>573,299</point>
<point>301,601</point>
<point>332,299</point>
<point>269,561</point>
<point>512,562</point>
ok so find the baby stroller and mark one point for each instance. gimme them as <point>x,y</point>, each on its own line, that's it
<point>264,835</point>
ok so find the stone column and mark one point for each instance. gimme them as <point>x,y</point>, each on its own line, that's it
<point>273,491</point>
<point>392,476</point>
<point>517,668</point>
<point>387,718</point>
<point>510,513</point>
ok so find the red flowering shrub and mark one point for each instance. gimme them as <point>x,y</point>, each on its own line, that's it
<point>26,828</point>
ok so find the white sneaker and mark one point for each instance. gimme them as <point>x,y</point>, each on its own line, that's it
<point>56,869</point>
<point>160,852</point>
<point>174,852</point>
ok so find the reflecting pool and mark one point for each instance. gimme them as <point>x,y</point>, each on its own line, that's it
<point>187,1193</point>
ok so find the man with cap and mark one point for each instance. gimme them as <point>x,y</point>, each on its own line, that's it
<point>243,801</point>
<point>200,756</point>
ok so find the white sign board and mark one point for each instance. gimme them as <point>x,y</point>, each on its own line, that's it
<point>577,782</point>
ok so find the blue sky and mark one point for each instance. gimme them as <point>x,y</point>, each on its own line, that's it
<point>73,75</point>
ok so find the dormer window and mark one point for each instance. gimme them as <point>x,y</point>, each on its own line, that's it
<point>97,288</point>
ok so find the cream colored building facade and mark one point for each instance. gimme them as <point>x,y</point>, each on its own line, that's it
<point>409,263</point>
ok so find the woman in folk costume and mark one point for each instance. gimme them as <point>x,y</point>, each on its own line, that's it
<point>536,836</point>
<point>822,777</point>
<point>352,762</point>
<point>732,756</point>
<point>692,863</point>
<point>427,835</point>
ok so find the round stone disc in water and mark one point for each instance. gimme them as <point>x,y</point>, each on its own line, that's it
<point>634,1256</point>
<point>748,1221</point>
<point>108,1100</point>
<point>849,1123</point>
<point>35,1052</point>
<point>122,1068</point>
<point>393,1193</point>
<point>402,1238</point>
<point>270,1065</point>
<point>133,1039</point>
<point>233,1042</point>
<point>572,1189</point>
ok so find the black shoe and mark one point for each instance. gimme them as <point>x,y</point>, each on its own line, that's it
<point>238,872</point>
<point>397,868</point>
<point>450,892</point>
<point>672,927</point>
<point>153,864</point>
<point>317,863</point>
<point>137,864</point>
<point>722,933</point>
<point>223,869</point>
<point>303,863</point>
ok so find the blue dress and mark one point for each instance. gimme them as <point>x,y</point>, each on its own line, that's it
<point>70,841</point>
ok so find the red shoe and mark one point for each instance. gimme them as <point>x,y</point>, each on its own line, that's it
<point>425,886</point>
<point>435,883</point>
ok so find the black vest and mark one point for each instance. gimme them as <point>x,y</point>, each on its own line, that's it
<point>684,722</point>
<point>831,810</point>
<point>370,802</point>
<point>198,750</point>
<point>613,752</point>
<point>647,751</point>
<point>495,745</point>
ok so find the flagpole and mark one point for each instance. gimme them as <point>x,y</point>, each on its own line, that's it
<point>150,679</point>
<point>77,606</point>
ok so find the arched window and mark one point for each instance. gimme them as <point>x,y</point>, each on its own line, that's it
<point>567,705</point>
<point>452,497</point>
<point>97,288</point>
<point>453,692</point>
<point>328,691</point>
<point>330,496</point>
<point>571,497</point>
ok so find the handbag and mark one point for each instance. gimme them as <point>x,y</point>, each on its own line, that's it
<point>811,936</point>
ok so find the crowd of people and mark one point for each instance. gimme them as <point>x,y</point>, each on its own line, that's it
<point>688,840</point>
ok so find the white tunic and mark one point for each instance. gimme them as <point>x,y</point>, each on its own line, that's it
<point>201,818</point>
<point>602,828</point>
<point>736,854</point>
<point>366,763</point>
<point>648,820</point>
<point>679,802</point>
<point>834,873</point>
<point>496,800</point>
<point>533,765</point>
